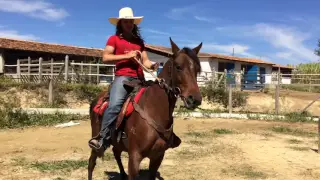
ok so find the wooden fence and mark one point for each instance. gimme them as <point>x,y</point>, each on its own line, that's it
<point>38,70</point>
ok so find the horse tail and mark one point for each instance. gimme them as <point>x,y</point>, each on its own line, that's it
<point>92,104</point>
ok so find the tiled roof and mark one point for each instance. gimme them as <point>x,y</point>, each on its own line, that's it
<point>46,47</point>
<point>97,52</point>
<point>210,55</point>
<point>281,66</point>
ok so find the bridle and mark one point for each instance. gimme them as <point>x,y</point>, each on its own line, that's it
<point>165,133</point>
<point>175,90</point>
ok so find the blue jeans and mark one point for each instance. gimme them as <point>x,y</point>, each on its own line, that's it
<point>118,95</point>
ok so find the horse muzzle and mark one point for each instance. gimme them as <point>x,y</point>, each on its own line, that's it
<point>191,102</point>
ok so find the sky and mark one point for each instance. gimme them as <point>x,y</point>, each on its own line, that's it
<point>278,31</point>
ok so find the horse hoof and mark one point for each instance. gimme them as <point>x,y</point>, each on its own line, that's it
<point>176,142</point>
<point>124,176</point>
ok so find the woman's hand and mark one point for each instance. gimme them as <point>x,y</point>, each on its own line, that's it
<point>131,54</point>
<point>155,66</point>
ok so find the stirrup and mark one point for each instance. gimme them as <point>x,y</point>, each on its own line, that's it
<point>94,146</point>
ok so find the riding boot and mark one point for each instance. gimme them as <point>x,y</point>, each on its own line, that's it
<point>98,143</point>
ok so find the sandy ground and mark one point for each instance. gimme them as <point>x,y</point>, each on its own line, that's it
<point>247,150</point>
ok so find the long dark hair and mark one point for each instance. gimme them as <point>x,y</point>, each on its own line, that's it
<point>135,31</point>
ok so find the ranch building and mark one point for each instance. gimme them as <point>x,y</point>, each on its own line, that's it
<point>255,71</point>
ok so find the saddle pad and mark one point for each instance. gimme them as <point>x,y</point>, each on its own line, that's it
<point>136,99</point>
<point>101,105</point>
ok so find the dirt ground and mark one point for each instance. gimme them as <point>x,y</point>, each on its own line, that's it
<point>290,101</point>
<point>258,102</point>
<point>211,149</point>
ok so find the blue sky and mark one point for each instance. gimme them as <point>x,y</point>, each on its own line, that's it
<point>282,31</point>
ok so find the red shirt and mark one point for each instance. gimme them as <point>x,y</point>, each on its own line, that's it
<point>126,67</point>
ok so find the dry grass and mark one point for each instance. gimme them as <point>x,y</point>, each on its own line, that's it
<point>211,149</point>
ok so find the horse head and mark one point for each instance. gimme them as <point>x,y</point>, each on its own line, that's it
<point>181,72</point>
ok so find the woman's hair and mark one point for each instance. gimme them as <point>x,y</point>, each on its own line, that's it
<point>135,31</point>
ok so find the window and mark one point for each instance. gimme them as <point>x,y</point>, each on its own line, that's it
<point>224,65</point>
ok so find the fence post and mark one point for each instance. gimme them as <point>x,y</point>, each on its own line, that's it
<point>19,70</point>
<point>230,98</point>
<point>72,71</point>
<point>277,94</point>
<point>66,68</point>
<point>50,91</point>
<point>225,78</point>
<point>98,72</point>
<point>89,74</point>
<point>29,69</point>
<point>51,69</point>
<point>81,69</point>
<point>40,70</point>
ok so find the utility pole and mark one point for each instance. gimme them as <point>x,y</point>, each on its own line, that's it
<point>232,51</point>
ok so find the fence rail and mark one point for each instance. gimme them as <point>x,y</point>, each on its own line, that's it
<point>38,70</point>
<point>27,70</point>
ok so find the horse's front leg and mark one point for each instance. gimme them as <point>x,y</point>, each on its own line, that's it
<point>154,165</point>
<point>117,155</point>
<point>135,159</point>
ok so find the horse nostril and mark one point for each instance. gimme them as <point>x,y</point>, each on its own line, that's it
<point>190,99</point>
<point>194,101</point>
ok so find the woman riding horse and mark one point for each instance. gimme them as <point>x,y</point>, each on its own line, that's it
<point>122,48</point>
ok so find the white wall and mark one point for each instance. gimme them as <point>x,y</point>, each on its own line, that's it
<point>154,58</point>
<point>286,80</point>
<point>209,65</point>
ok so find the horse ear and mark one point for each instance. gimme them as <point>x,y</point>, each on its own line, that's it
<point>197,49</point>
<point>174,47</point>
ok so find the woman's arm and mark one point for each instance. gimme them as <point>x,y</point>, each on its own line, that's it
<point>109,56</point>
<point>147,62</point>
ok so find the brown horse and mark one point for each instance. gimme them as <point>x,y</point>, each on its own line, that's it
<point>148,130</point>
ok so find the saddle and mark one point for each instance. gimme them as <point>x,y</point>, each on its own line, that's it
<point>131,104</point>
<point>139,88</point>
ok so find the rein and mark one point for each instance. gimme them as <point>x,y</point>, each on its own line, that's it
<point>165,133</point>
<point>176,91</point>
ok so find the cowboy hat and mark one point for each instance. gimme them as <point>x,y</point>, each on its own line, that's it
<point>125,13</point>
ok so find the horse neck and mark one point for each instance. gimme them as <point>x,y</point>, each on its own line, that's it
<point>159,105</point>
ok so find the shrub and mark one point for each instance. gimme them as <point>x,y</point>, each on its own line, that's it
<point>220,95</point>
<point>82,91</point>
<point>12,116</point>
<point>298,117</point>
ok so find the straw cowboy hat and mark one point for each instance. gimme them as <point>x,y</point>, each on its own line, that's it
<point>126,13</point>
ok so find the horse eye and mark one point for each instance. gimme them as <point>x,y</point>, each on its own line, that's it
<point>179,68</point>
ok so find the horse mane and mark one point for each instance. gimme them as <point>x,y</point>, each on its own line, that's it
<point>193,56</point>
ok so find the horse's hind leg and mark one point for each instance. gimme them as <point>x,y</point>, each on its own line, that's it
<point>117,155</point>
<point>92,163</point>
<point>154,165</point>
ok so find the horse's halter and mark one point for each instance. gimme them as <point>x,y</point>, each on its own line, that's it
<point>173,88</point>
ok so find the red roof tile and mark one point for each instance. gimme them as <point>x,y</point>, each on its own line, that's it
<point>97,52</point>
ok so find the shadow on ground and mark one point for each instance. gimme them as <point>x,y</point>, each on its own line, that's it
<point>315,150</point>
<point>143,175</point>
